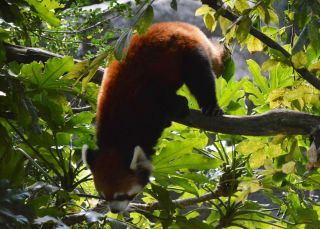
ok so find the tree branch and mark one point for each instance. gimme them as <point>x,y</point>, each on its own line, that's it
<point>102,207</point>
<point>274,122</point>
<point>28,54</point>
<point>181,202</point>
<point>304,73</point>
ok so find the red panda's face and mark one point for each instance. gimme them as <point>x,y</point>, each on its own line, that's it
<point>115,181</point>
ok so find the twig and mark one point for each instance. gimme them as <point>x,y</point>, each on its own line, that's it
<point>304,73</point>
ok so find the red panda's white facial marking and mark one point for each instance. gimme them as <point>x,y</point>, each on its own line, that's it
<point>116,182</point>
<point>135,190</point>
<point>118,206</point>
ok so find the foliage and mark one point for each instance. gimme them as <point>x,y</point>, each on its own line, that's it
<point>201,179</point>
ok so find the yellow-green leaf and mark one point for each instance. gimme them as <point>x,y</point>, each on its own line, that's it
<point>247,187</point>
<point>289,167</point>
<point>241,5</point>
<point>258,79</point>
<point>315,67</point>
<point>249,146</point>
<point>269,64</point>
<point>273,16</point>
<point>254,44</point>
<point>299,60</point>
<point>204,9</point>
<point>210,21</point>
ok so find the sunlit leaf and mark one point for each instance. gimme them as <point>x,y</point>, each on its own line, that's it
<point>258,79</point>
<point>299,60</point>
<point>210,22</point>
<point>289,167</point>
<point>241,5</point>
<point>254,44</point>
<point>44,10</point>
<point>204,9</point>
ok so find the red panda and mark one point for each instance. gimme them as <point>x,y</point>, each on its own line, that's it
<point>138,99</point>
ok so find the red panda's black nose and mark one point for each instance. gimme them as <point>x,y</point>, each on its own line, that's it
<point>114,211</point>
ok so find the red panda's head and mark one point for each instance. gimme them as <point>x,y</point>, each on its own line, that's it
<point>115,180</point>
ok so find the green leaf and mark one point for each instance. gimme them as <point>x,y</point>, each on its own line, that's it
<point>145,20</point>
<point>254,44</point>
<point>289,167</point>
<point>92,69</point>
<point>308,216</point>
<point>314,35</point>
<point>184,183</point>
<point>44,10</point>
<point>269,64</point>
<point>229,69</point>
<point>139,220</point>
<point>178,154</point>
<point>203,10</point>
<point>315,67</point>
<point>299,60</point>
<point>301,42</point>
<point>230,92</point>
<point>278,178</point>
<point>51,108</point>
<point>4,34</point>
<point>82,118</point>
<point>255,147</point>
<point>162,195</point>
<point>273,16</point>
<point>184,223</point>
<point>241,5</point>
<point>256,96</point>
<point>243,29</point>
<point>210,21</point>
<point>281,76</point>
<point>258,79</point>
<point>174,5</point>
<point>48,76</point>
<point>121,47</point>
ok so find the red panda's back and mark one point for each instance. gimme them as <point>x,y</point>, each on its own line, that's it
<point>127,104</point>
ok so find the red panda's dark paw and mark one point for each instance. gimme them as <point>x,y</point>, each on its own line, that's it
<point>215,111</point>
<point>218,112</point>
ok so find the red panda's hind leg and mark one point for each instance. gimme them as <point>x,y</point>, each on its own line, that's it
<point>179,107</point>
<point>199,78</point>
<point>175,106</point>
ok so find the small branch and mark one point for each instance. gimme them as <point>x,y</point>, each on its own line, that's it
<point>304,73</point>
<point>181,202</point>
<point>102,207</point>
<point>81,109</point>
<point>274,122</point>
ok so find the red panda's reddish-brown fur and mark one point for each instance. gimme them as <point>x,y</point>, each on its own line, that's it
<point>138,98</point>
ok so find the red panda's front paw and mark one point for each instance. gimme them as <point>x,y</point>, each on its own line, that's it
<point>212,110</point>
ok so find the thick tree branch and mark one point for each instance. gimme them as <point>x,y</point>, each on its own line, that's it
<point>304,73</point>
<point>271,123</point>
<point>28,54</point>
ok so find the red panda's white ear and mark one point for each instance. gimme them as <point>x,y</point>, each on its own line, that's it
<point>140,159</point>
<point>88,156</point>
